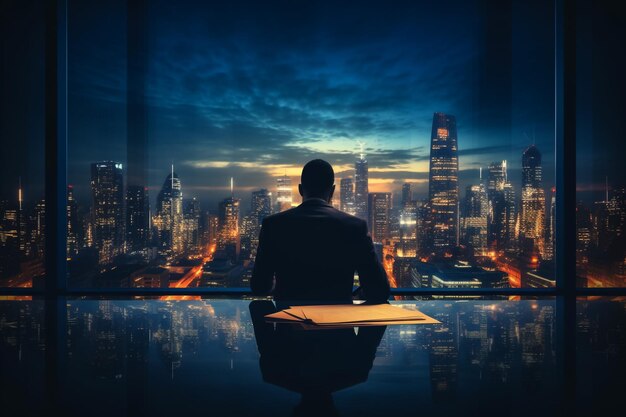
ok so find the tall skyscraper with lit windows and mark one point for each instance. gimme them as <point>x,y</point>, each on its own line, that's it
<point>73,227</point>
<point>475,212</point>
<point>501,197</point>
<point>261,205</point>
<point>107,190</point>
<point>443,183</point>
<point>168,220</point>
<point>229,239</point>
<point>379,205</point>
<point>532,216</point>
<point>347,196</point>
<point>260,208</point>
<point>407,194</point>
<point>284,197</point>
<point>137,217</point>
<point>361,186</point>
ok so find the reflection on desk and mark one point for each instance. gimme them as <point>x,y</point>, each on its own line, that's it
<point>313,363</point>
<point>201,358</point>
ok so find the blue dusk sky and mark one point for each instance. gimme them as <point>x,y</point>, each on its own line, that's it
<point>255,89</point>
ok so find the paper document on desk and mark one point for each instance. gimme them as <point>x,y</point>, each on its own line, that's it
<point>351,315</point>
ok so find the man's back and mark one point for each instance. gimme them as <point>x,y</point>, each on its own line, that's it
<point>312,251</point>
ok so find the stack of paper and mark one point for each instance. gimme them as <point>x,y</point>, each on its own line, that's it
<point>351,315</point>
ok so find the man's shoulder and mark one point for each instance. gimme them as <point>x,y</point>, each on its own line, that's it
<point>300,212</point>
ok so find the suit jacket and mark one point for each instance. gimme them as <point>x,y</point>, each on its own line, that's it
<point>312,252</point>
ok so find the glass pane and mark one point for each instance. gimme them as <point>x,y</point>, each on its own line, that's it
<point>22,354</point>
<point>600,130</point>
<point>485,357</point>
<point>190,123</point>
<point>600,354</point>
<point>22,200</point>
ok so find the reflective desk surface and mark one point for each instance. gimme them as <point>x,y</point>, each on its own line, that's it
<point>216,357</point>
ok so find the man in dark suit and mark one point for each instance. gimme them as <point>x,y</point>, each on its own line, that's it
<point>310,253</point>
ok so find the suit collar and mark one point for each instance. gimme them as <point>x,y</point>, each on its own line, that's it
<point>315,202</point>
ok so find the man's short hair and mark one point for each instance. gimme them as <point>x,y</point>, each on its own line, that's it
<point>317,176</point>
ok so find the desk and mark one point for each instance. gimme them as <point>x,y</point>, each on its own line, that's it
<point>163,358</point>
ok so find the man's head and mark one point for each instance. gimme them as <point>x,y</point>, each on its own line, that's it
<point>317,180</point>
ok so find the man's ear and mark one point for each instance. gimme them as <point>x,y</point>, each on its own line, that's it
<point>300,190</point>
<point>332,191</point>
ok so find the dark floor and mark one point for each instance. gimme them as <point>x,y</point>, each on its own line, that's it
<point>157,358</point>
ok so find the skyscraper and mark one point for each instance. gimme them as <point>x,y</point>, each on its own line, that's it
<point>168,219</point>
<point>284,198</point>
<point>107,189</point>
<point>407,194</point>
<point>22,229</point>
<point>137,217</point>
<point>550,236</point>
<point>38,229</point>
<point>261,205</point>
<point>228,215</point>
<point>260,208</point>
<point>347,196</point>
<point>191,225</point>
<point>475,210</point>
<point>73,225</point>
<point>532,216</point>
<point>379,207</point>
<point>443,188</point>
<point>361,187</point>
<point>409,230</point>
<point>501,196</point>
<point>510,217</point>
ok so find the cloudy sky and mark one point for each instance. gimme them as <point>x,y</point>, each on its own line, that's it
<point>255,89</point>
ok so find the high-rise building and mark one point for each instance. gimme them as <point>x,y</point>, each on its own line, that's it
<point>347,196</point>
<point>407,194</point>
<point>73,225</point>
<point>443,188</point>
<point>210,229</point>
<point>261,205</point>
<point>107,189</point>
<point>509,234</point>
<point>284,198</point>
<point>496,179</point>
<point>168,219</point>
<point>38,229</point>
<point>410,226</point>
<point>191,226</point>
<point>475,211</point>
<point>551,229</point>
<point>260,208</point>
<point>379,207</point>
<point>249,237</point>
<point>9,247</point>
<point>584,233</point>
<point>532,216</point>
<point>22,228</point>
<point>229,239</point>
<point>137,217</point>
<point>361,187</point>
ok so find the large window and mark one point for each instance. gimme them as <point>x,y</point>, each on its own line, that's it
<point>601,126</point>
<point>189,123</point>
<point>22,202</point>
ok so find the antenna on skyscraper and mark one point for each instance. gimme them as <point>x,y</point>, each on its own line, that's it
<point>480,173</point>
<point>361,149</point>
<point>606,188</point>
<point>506,175</point>
<point>19,192</point>
<point>232,192</point>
